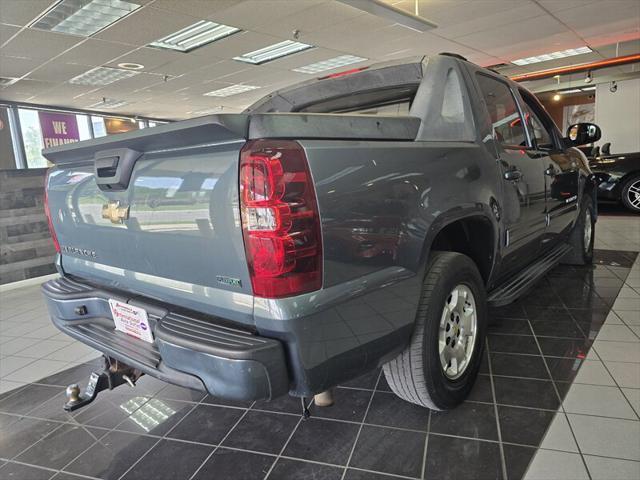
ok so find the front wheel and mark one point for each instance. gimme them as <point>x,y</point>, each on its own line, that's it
<point>439,367</point>
<point>582,236</point>
<point>631,194</point>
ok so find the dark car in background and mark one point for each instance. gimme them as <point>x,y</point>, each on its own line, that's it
<point>618,178</point>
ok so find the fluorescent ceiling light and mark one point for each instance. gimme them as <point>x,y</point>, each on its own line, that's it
<point>108,103</point>
<point>272,52</point>
<point>552,56</point>
<point>588,89</point>
<point>194,36</point>
<point>573,90</point>
<point>394,14</point>
<point>330,64</point>
<point>102,76</point>
<point>84,17</point>
<point>232,90</point>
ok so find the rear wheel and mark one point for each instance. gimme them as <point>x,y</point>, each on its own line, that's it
<point>439,367</point>
<point>631,194</point>
<point>582,236</point>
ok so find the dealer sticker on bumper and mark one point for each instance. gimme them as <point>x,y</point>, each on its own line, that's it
<point>131,320</point>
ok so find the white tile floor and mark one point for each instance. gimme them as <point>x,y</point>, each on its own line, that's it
<point>600,415</point>
<point>596,433</point>
<point>30,346</point>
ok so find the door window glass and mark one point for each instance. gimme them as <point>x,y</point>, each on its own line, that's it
<point>503,112</point>
<point>538,128</point>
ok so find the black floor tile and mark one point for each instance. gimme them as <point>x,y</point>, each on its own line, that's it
<point>53,409</point>
<point>530,366</point>
<point>60,447</point>
<point>283,404</point>
<point>213,400</point>
<point>320,440</point>
<point>349,404</point>
<point>112,455</point>
<point>565,347</point>
<point>155,417</point>
<point>78,374</point>
<point>227,464</point>
<point>262,432</point>
<point>16,471</point>
<point>557,328</point>
<point>473,420</point>
<point>462,459</point>
<point>523,425</point>
<point>109,409</point>
<point>481,391</point>
<point>526,393</point>
<point>28,398</point>
<point>206,424</point>
<point>564,369</point>
<point>67,476</point>
<point>353,474</point>
<point>169,460</point>
<point>389,410</point>
<point>287,469</point>
<point>389,450</point>
<point>513,344</point>
<point>616,258</point>
<point>174,392</point>
<point>383,385</point>
<point>148,386</point>
<point>21,433</point>
<point>517,460</point>
<point>366,381</point>
<point>514,326</point>
<point>514,310</point>
<point>550,314</point>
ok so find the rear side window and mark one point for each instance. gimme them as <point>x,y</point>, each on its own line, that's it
<point>384,101</point>
<point>506,121</point>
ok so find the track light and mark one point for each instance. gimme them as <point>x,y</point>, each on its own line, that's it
<point>588,78</point>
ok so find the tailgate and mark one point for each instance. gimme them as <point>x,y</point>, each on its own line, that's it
<point>156,212</point>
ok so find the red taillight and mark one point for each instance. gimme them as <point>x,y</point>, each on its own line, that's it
<point>47,212</point>
<point>280,220</point>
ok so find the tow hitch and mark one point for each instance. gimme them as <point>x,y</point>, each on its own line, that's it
<point>113,374</point>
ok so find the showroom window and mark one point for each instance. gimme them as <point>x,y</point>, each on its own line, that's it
<point>32,138</point>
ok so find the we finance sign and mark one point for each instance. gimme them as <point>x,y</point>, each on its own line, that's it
<point>58,128</point>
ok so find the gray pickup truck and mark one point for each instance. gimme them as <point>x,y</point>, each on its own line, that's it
<point>351,222</point>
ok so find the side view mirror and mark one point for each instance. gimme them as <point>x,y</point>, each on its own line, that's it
<point>582,133</point>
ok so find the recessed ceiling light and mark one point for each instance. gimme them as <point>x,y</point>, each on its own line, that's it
<point>231,90</point>
<point>6,81</point>
<point>108,103</point>
<point>131,66</point>
<point>272,52</point>
<point>84,17</point>
<point>329,64</point>
<point>552,56</point>
<point>102,76</point>
<point>194,36</point>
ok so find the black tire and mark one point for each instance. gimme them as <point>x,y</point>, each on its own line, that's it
<point>416,375</point>
<point>630,195</point>
<point>581,253</point>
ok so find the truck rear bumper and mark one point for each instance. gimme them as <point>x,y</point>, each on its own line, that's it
<point>197,352</point>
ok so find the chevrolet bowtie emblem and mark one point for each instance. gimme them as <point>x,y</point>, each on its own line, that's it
<point>114,212</point>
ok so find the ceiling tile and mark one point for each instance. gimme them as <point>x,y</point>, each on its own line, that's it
<point>185,63</point>
<point>6,32</point>
<point>38,44</point>
<point>22,12</point>
<point>151,58</point>
<point>26,88</point>
<point>57,72</point>
<point>93,52</point>
<point>248,14</point>
<point>16,66</point>
<point>235,45</point>
<point>145,25</point>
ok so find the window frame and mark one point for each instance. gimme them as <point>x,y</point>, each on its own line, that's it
<point>545,120</point>
<point>527,137</point>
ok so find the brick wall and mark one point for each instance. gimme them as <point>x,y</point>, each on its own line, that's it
<point>26,249</point>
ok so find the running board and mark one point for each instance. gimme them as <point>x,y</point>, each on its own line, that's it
<point>517,285</point>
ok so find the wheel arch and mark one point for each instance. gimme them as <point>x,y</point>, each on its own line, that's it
<point>472,232</point>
